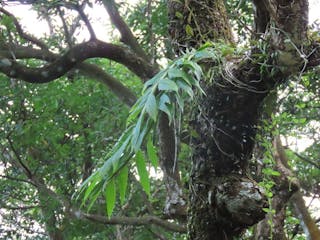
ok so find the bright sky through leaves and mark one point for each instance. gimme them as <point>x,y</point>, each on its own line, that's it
<point>100,19</point>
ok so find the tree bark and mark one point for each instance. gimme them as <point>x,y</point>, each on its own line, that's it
<point>223,200</point>
<point>175,205</point>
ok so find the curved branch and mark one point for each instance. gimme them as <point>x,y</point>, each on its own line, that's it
<point>16,179</point>
<point>315,164</point>
<point>74,56</point>
<point>23,208</point>
<point>120,90</point>
<point>20,31</point>
<point>17,161</point>
<point>127,36</point>
<point>307,223</point>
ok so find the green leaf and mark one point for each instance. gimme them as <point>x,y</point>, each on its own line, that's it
<point>149,83</point>
<point>151,107</point>
<point>113,158</point>
<point>227,50</point>
<point>164,100</point>
<point>270,172</point>
<point>175,73</point>
<point>123,183</point>
<point>89,185</point>
<point>93,197</point>
<point>142,171</point>
<point>204,54</point>
<point>189,30</point>
<point>180,102</point>
<point>134,113</point>
<point>136,133</point>
<point>152,154</point>
<point>196,69</point>
<point>110,197</point>
<point>205,45</point>
<point>153,80</point>
<point>179,15</point>
<point>167,85</point>
<point>186,88</point>
<point>143,133</point>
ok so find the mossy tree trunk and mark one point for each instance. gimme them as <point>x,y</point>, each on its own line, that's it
<point>223,200</point>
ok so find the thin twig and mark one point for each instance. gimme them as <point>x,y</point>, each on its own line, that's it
<point>307,160</point>
<point>127,36</point>
<point>21,32</point>
<point>85,19</point>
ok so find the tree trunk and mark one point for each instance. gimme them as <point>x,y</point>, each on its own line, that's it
<point>223,200</point>
<point>175,205</point>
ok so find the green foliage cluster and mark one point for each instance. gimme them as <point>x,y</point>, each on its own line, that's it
<point>149,21</point>
<point>57,128</point>
<point>54,130</point>
<point>166,93</point>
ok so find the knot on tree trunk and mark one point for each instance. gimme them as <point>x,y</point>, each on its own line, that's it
<point>176,204</point>
<point>239,202</point>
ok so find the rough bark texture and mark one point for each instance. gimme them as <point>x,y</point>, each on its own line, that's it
<point>223,201</point>
<point>226,128</point>
<point>207,19</point>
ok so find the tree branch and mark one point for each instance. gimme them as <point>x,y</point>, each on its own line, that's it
<point>306,221</point>
<point>290,16</point>
<point>134,221</point>
<point>84,18</point>
<point>287,31</point>
<point>65,27</point>
<point>313,56</point>
<point>261,16</point>
<point>121,91</point>
<point>76,213</point>
<point>19,162</point>
<point>16,179</point>
<point>90,70</point>
<point>87,69</point>
<point>19,208</point>
<point>315,164</point>
<point>22,34</point>
<point>74,56</point>
<point>127,36</point>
